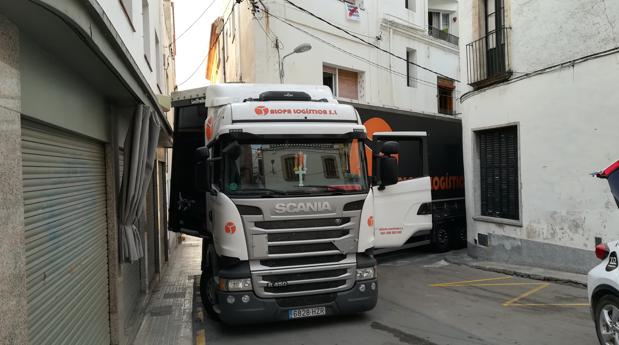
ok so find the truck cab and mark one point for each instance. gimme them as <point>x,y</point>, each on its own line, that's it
<point>275,180</point>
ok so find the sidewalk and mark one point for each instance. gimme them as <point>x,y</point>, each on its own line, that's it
<point>168,319</point>
<point>460,257</point>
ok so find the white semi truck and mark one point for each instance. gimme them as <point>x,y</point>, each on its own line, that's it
<point>274,179</point>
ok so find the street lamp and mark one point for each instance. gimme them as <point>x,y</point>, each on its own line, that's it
<point>301,48</point>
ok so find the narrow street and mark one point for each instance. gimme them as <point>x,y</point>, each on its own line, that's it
<point>296,138</point>
<point>423,301</point>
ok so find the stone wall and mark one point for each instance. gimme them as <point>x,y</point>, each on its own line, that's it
<point>13,319</point>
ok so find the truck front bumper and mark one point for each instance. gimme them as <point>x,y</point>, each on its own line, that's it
<point>255,309</point>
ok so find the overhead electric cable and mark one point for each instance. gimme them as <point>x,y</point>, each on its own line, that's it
<point>365,41</point>
<point>265,31</point>
<point>192,24</point>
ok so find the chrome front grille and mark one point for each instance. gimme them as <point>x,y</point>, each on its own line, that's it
<point>303,237</point>
<point>310,242</point>
<point>304,281</point>
<point>299,255</point>
<point>303,261</point>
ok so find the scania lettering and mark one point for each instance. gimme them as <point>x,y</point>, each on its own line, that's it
<point>275,180</point>
<point>302,207</point>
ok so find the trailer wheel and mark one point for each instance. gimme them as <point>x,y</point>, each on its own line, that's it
<point>208,288</point>
<point>460,241</point>
<point>440,239</point>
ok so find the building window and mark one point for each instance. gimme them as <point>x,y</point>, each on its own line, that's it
<point>445,22</point>
<point>445,94</point>
<point>411,69</point>
<point>494,36</point>
<point>439,20</point>
<point>127,6</point>
<point>330,167</point>
<point>439,26</point>
<point>329,78</point>
<point>410,4</point>
<point>487,58</point>
<point>288,168</point>
<point>343,83</point>
<point>498,168</point>
<point>146,31</point>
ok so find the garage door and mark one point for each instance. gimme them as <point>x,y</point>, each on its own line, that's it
<point>66,237</point>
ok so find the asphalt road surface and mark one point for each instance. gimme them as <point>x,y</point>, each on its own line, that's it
<point>423,300</point>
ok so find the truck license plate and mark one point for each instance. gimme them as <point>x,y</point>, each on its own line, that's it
<point>306,312</point>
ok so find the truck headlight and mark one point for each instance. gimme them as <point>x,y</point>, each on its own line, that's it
<point>235,284</point>
<point>366,273</point>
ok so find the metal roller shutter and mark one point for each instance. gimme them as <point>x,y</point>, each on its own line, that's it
<point>66,237</point>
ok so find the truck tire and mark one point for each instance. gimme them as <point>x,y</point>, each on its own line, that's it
<point>207,289</point>
<point>440,239</point>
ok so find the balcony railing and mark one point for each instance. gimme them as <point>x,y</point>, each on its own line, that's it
<point>487,59</point>
<point>442,35</point>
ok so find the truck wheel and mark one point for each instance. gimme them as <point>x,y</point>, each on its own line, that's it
<point>440,239</point>
<point>207,291</point>
<point>606,316</point>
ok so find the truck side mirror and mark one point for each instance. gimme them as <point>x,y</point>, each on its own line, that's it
<point>390,148</point>
<point>388,171</point>
<point>201,179</point>
<point>388,165</point>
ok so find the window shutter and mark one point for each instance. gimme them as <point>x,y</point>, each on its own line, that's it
<point>348,84</point>
<point>498,158</point>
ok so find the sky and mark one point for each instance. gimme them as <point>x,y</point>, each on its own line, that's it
<point>192,47</point>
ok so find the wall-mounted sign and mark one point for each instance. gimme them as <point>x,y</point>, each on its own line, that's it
<point>352,12</point>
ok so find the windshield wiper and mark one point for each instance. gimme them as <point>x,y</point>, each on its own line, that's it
<point>336,189</point>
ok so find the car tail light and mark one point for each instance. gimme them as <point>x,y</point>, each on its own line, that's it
<point>601,251</point>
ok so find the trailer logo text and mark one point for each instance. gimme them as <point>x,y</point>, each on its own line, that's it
<point>262,110</point>
<point>447,182</point>
<point>298,207</point>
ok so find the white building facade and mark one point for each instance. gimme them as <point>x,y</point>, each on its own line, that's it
<point>258,34</point>
<point>539,117</point>
<point>146,29</point>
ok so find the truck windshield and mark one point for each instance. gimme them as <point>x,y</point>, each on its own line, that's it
<point>295,168</point>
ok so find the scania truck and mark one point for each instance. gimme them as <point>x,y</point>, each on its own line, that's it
<point>275,180</point>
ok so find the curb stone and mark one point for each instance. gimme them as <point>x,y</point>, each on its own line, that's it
<point>518,272</point>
